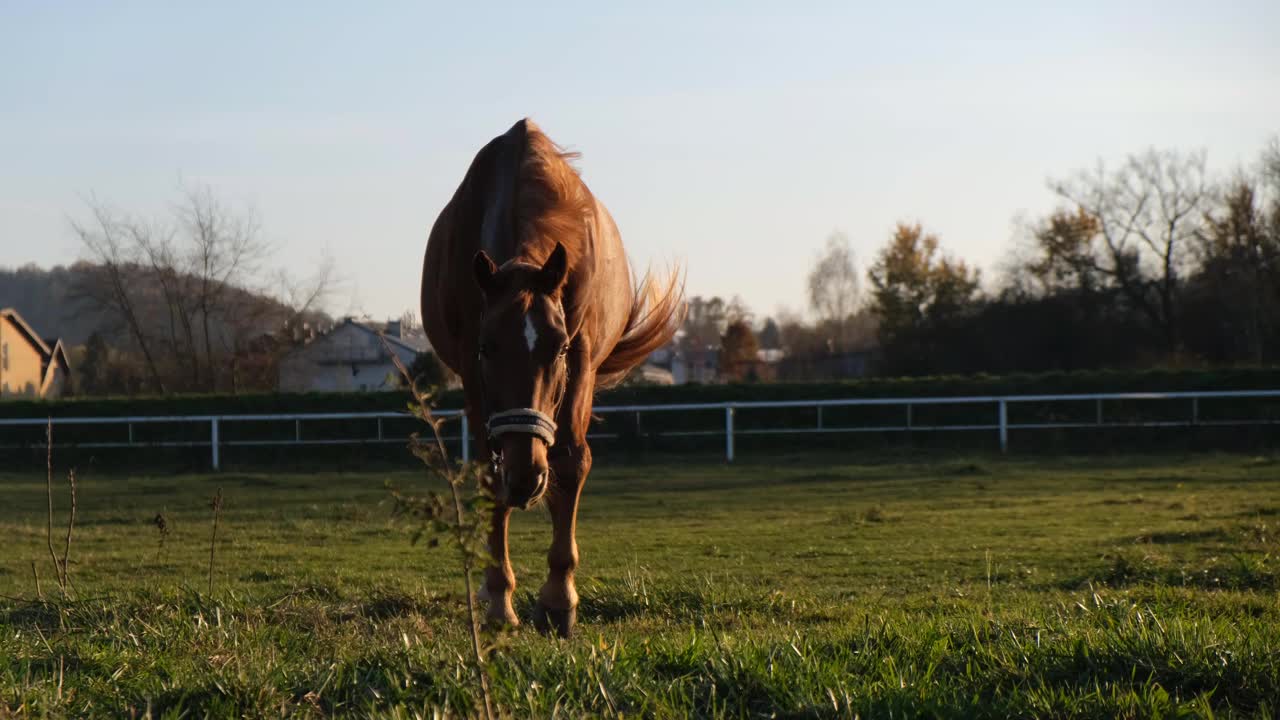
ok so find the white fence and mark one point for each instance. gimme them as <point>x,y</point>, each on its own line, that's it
<point>999,422</point>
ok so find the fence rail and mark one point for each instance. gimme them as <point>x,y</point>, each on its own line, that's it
<point>999,420</point>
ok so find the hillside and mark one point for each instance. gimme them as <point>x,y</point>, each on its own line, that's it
<point>47,299</point>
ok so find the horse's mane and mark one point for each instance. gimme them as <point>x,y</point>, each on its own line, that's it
<point>551,202</point>
<point>553,205</point>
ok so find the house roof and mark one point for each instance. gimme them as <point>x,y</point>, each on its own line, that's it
<point>414,344</point>
<point>27,332</point>
<point>58,355</point>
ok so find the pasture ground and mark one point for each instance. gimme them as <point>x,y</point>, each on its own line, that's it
<point>789,587</point>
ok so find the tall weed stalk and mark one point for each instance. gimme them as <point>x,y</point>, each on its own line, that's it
<point>462,518</point>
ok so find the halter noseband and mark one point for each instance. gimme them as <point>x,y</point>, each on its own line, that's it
<point>522,420</point>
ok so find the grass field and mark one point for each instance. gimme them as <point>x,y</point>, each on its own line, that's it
<point>793,587</point>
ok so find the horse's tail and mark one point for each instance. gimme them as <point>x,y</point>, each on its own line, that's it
<point>657,311</point>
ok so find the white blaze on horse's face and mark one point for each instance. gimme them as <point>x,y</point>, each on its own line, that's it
<point>530,333</point>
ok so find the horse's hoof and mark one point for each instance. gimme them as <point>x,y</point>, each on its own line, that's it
<point>547,619</point>
<point>501,618</point>
<point>499,623</point>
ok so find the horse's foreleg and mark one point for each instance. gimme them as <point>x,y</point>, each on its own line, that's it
<point>499,578</point>
<point>557,606</point>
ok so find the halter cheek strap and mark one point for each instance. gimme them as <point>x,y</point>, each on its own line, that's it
<point>522,420</point>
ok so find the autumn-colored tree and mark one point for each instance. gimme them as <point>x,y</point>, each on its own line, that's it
<point>738,348</point>
<point>1067,257</point>
<point>917,293</point>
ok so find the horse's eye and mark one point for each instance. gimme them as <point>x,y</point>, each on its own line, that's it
<point>564,349</point>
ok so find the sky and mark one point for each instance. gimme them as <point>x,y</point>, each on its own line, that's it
<point>730,137</point>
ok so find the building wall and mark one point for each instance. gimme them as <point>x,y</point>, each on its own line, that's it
<point>54,383</point>
<point>20,364</point>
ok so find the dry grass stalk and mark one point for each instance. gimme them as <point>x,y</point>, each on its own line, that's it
<point>439,462</point>
<point>48,488</point>
<point>162,527</point>
<point>71,524</point>
<point>216,506</point>
<point>36,574</point>
<point>61,566</point>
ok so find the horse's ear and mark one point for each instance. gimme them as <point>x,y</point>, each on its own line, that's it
<point>554,270</point>
<point>485,270</point>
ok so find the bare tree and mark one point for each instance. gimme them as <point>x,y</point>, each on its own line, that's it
<point>834,288</point>
<point>190,290</point>
<point>737,310</point>
<point>703,324</point>
<point>409,322</point>
<point>1148,213</point>
<point>226,249</point>
<point>156,247</point>
<point>1270,165</point>
<point>305,297</point>
<point>113,283</point>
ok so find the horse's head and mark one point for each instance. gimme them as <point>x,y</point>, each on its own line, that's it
<point>523,352</point>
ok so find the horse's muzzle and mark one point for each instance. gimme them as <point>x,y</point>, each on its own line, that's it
<point>520,471</point>
<point>523,495</point>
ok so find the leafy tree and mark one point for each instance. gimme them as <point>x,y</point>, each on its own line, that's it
<point>918,295</point>
<point>738,348</point>
<point>1067,255</point>
<point>94,368</point>
<point>770,335</point>
<point>1236,294</point>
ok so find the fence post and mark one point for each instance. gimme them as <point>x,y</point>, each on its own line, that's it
<point>130,434</point>
<point>819,417</point>
<point>1195,411</point>
<point>213,442</point>
<point>297,430</point>
<point>1099,411</point>
<point>728,433</point>
<point>379,429</point>
<point>1004,427</point>
<point>466,439</point>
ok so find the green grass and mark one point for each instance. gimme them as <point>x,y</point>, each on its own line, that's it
<point>792,587</point>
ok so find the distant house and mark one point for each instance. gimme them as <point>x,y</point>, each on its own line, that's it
<point>30,366</point>
<point>350,358</point>
<point>687,366</point>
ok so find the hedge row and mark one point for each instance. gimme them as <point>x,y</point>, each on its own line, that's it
<point>948,386</point>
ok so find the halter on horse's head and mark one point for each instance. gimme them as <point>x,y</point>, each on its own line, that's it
<point>523,349</point>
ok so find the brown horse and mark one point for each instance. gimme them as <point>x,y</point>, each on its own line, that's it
<point>527,295</point>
